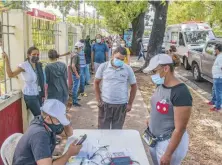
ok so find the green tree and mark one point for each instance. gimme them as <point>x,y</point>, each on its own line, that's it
<point>158,30</point>
<point>118,16</point>
<point>207,11</point>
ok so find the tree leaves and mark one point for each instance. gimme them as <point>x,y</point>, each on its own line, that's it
<point>118,16</point>
<point>207,11</point>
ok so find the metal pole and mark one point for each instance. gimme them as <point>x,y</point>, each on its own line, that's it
<point>9,46</point>
<point>3,50</point>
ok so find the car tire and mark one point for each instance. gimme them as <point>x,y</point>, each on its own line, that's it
<point>185,63</point>
<point>196,73</point>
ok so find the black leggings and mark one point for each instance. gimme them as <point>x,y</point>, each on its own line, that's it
<point>33,103</point>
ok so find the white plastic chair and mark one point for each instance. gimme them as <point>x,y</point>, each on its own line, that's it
<point>8,148</point>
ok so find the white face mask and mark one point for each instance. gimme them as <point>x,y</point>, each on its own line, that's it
<point>122,45</point>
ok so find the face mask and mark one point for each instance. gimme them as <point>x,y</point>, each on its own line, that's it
<point>98,40</point>
<point>34,59</point>
<point>57,129</point>
<point>122,45</point>
<point>157,79</point>
<point>117,62</point>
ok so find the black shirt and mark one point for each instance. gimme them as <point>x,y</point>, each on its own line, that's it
<point>37,143</point>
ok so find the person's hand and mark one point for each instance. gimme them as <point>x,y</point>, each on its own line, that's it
<point>77,76</point>
<point>74,149</point>
<point>128,107</point>
<point>99,104</point>
<point>165,160</point>
<point>4,55</point>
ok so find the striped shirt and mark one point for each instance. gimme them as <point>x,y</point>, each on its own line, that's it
<point>82,59</point>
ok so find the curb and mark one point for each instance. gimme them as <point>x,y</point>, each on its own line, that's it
<point>197,90</point>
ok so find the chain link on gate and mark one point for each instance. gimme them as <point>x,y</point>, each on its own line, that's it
<point>44,34</point>
<point>5,28</point>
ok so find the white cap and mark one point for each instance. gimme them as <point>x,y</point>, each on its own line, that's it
<point>159,59</point>
<point>56,109</point>
<point>79,44</point>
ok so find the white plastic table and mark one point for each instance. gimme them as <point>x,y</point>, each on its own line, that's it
<point>118,141</point>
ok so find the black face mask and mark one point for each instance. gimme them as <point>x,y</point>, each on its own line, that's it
<point>34,59</point>
<point>57,129</point>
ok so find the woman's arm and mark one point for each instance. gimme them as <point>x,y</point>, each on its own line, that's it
<point>65,54</point>
<point>9,71</point>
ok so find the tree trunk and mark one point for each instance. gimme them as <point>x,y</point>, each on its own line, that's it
<point>158,30</point>
<point>138,30</point>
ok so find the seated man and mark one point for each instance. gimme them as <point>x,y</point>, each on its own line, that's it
<point>38,143</point>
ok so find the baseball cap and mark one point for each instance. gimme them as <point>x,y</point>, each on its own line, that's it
<point>56,109</point>
<point>159,59</point>
<point>79,44</point>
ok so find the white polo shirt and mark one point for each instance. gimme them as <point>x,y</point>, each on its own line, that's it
<point>115,82</point>
<point>217,67</point>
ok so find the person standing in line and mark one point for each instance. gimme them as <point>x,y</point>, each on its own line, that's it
<point>87,51</point>
<point>75,68</point>
<point>82,62</point>
<point>217,80</point>
<point>56,78</point>
<point>99,53</point>
<point>33,77</point>
<point>141,49</point>
<point>114,77</point>
<point>127,58</point>
<point>171,106</point>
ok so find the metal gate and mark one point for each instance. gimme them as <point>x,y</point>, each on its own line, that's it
<point>5,33</point>
<point>44,34</point>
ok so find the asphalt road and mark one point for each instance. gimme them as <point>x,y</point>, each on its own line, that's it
<point>204,85</point>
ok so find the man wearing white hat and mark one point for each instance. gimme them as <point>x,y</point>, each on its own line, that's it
<point>171,105</point>
<point>38,143</point>
<point>76,75</point>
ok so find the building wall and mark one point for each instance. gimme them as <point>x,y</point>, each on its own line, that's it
<point>10,121</point>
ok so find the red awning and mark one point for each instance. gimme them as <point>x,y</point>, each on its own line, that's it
<point>41,14</point>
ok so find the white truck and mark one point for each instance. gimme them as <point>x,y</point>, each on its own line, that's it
<point>187,36</point>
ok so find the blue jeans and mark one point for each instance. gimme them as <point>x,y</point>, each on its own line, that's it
<point>217,92</point>
<point>33,103</point>
<point>141,54</point>
<point>82,79</point>
<point>87,73</point>
<point>75,89</point>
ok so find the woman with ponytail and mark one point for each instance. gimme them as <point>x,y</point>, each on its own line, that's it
<point>33,77</point>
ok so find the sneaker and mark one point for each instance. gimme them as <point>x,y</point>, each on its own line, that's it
<point>76,105</point>
<point>210,103</point>
<point>83,94</point>
<point>215,109</point>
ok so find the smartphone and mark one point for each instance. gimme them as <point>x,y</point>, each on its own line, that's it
<point>81,140</point>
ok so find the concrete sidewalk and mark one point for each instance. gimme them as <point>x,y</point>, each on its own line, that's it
<point>86,117</point>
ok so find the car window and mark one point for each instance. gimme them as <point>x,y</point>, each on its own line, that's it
<point>174,37</point>
<point>210,49</point>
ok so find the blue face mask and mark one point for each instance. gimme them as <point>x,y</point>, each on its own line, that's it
<point>117,62</point>
<point>157,79</point>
